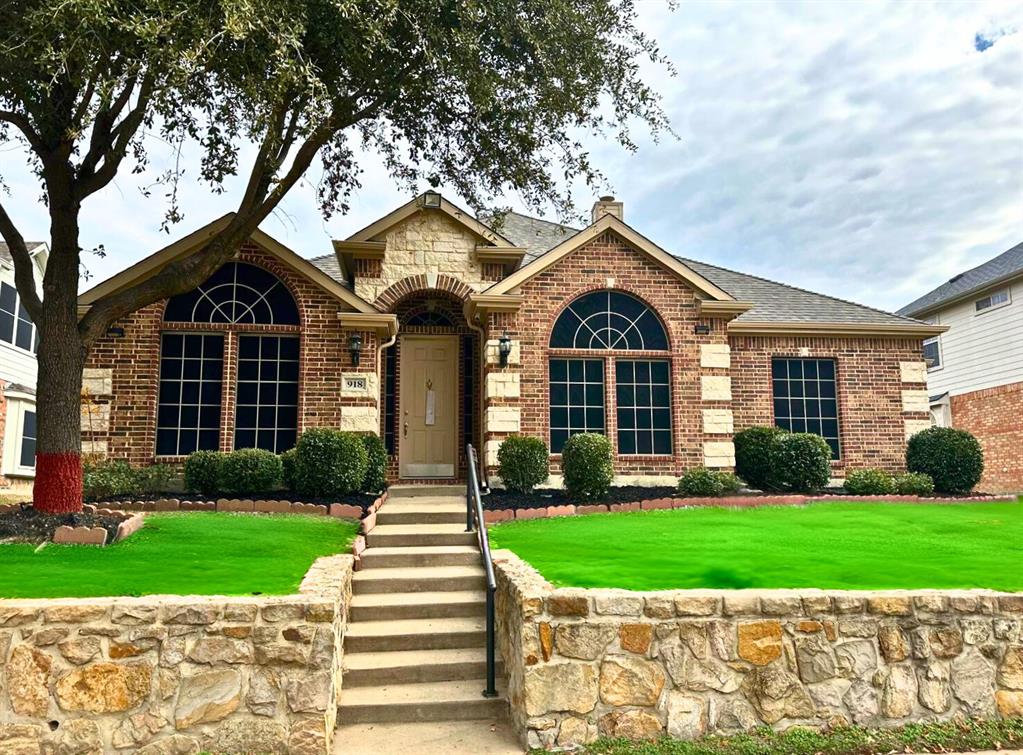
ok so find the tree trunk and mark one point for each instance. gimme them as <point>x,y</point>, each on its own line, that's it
<point>58,483</point>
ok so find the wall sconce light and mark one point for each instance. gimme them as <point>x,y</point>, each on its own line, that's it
<point>355,347</point>
<point>430,199</point>
<point>504,349</point>
<point>115,332</point>
<point>702,329</point>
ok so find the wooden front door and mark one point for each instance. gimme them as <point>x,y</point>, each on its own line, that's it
<point>428,430</point>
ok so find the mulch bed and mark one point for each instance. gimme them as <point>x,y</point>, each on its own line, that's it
<point>362,500</point>
<point>25,524</point>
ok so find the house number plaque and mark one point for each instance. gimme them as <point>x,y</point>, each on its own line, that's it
<point>355,383</point>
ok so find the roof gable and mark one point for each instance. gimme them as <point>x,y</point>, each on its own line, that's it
<point>1007,265</point>
<point>637,241</point>
<point>196,240</point>
<point>377,229</point>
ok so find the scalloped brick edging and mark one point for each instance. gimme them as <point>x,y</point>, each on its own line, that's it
<point>129,525</point>
<point>738,501</point>
<point>245,506</point>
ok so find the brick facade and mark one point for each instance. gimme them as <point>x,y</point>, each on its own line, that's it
<point>994,416</point>
<point>720,383</point>
<point>130,367</point>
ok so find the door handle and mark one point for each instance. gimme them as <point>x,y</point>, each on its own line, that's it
<point>404,432</point>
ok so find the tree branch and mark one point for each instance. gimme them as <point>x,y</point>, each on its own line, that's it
<point>24,125</point>
<point>24,277</point>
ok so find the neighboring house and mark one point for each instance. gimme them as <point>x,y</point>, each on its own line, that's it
<point>436,329</point>
<point>975,370</point>
<point>18,342</point>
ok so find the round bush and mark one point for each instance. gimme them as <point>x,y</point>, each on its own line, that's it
<point>330,463</point>
<point>376,464</point>
<point>753,461</point>
<point>250,470</point>
<point>288,461</point>
<point>109,479</point>
<point>913,483</point>
<point>701,483</point>
<point>587,466</point>
<point>801,462</point>
<point>953,458</point>
<point>730,483</point>
<point>869,482</point>
<point>523,463</point>
<point>202,472</point>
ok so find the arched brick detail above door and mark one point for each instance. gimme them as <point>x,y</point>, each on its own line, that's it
<point>421,283</point>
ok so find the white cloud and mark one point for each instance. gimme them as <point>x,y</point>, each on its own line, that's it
<point>863,150</point>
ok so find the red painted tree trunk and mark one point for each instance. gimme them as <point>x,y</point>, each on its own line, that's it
<point>58,483</point>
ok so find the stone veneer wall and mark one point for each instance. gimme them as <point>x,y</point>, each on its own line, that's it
<point>171,674</point>
<point>583,663</point>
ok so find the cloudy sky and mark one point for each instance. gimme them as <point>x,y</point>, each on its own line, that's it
<point>864,150</point>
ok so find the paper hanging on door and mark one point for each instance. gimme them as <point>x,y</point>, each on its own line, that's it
<point>431,407</point>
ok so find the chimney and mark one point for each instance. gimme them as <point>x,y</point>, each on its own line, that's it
<point>607,205</point>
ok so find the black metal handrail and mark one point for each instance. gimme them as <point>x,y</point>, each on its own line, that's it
<point>474,520</point>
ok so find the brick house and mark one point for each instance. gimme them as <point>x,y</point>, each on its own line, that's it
<point>435,328</point>
<point>975,369</point>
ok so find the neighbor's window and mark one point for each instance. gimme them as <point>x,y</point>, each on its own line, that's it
<point>267,413</point>
<point>576,399</point>
<point>805,398</point>
<point>15,325</point>
<point>27,455</point>
<point>997,299</point>
<point>644,406</point>
<point>191,374</point>
<point>932,353</point>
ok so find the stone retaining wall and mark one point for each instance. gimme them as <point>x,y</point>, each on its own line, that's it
<point>171,674</point>
<point>589,662</point>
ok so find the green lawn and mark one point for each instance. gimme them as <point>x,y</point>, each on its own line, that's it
<point>181,554</point>
<point>846,546</point>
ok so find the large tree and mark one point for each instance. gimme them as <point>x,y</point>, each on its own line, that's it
<point>483,96</point>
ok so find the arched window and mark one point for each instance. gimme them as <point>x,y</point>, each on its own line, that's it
<point>236,294</point>
<point>427,318</point>
<point>263,378</point>
<point>640,401</point>
<point>609,320</point>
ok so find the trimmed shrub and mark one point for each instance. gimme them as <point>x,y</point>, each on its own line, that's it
<point>869,482</point>
<point>202,472</point>
<point>730,483</point>
<point>158,478</point>
<point>288,461</point>
<point>913,483</point>
<point>587,466</point>
<point>330,463</point>
<point>753,460</point>
<point>110,479</point>
<point>250,470</point>
<point>523,463</point>
<point>376,464</point>
<point>953,458</point>
<point>801,462</point>
<point>701,482</point>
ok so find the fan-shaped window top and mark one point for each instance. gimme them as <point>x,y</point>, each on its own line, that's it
<point>237,293</point>
<point>426,317</point>
<point>609,320</point>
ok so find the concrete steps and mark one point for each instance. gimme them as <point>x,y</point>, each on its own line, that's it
<point>418,605</point>
<point>415,648</point>
<point>414,666</point>
<point>424,701</point>
<point>419,579</point>
<point>420,555</point>
<point>400,535</point>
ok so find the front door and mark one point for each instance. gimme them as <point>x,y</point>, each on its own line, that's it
<point>428,431</point>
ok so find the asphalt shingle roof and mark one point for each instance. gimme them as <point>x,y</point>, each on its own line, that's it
<point>1005,265</point>
<point>328,263</point>
<point>536,236</point>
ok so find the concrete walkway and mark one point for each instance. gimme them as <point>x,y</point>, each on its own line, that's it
<point>432,738</point>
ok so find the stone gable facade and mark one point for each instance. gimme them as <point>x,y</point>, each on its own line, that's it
<point>438,272</point>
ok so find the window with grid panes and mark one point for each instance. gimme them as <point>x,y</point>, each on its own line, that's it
<point>643,399</point>
<point>806,398</point>
<point>191,376</point>
<point>576,399</point>
<point>266,414</point>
